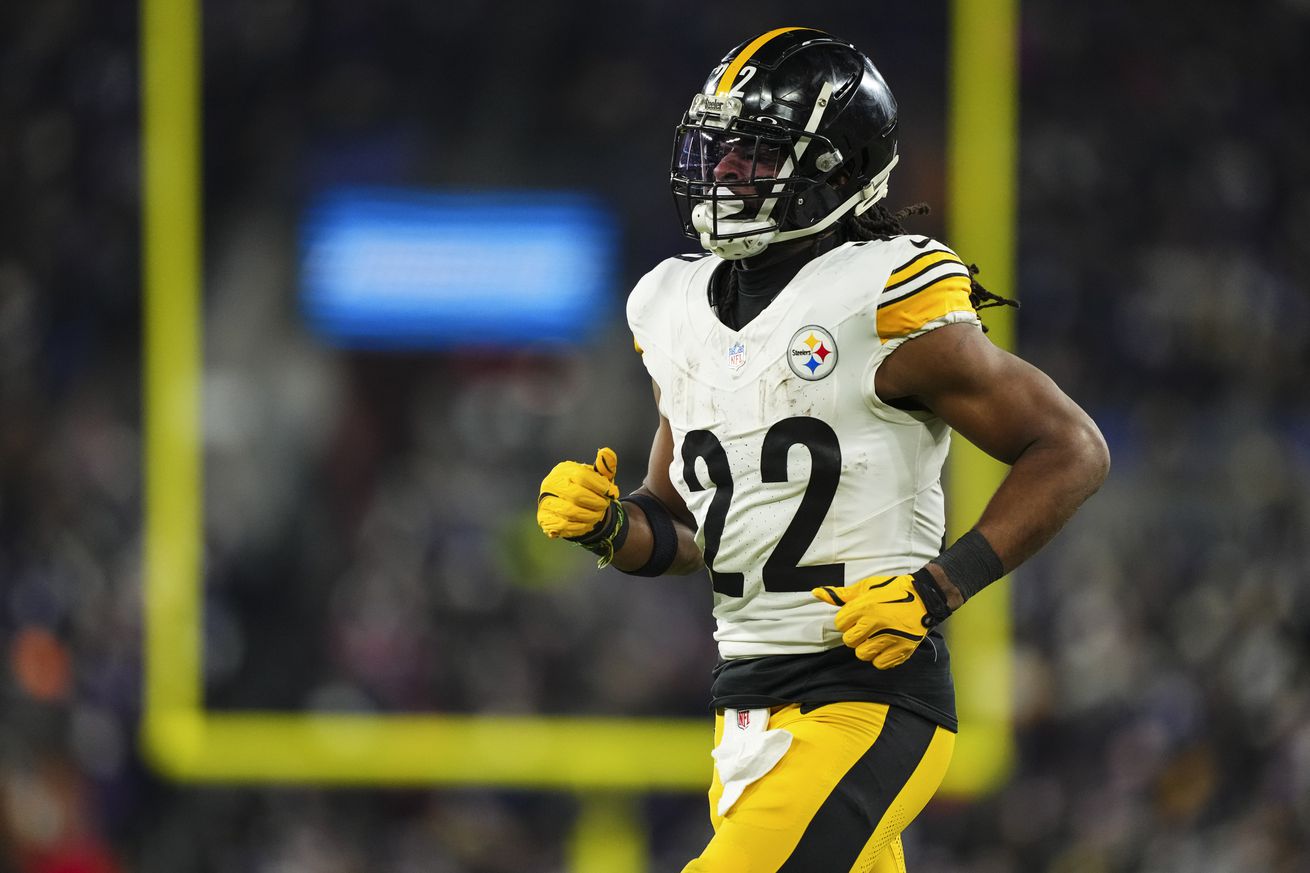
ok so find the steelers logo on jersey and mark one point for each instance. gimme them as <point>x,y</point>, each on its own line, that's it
<point>812,353</point>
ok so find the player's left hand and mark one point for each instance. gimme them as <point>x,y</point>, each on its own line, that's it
<point>881,618</point>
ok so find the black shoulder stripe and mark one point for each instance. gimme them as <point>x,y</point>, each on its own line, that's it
<point>919,257</point>
<point>692,257</point>
<point>955,268</point>
<point>926,286</point>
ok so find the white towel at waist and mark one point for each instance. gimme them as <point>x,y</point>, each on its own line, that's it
<point>746,752</point>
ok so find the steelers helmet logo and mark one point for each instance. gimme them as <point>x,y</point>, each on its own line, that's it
<point>812,353</point>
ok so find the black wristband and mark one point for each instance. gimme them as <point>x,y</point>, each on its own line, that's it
<point>934,601</point>
<point>621,535</point>
<point>971,564</point>
<point>609,536</point>
<point>664,536</point>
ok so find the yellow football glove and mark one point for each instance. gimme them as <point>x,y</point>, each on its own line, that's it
<point>883,618</point>
<point>579,502</point>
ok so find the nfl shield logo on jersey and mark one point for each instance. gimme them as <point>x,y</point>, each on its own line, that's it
<point>743,719</point>
<point>812,353</point>
<point>736,355</point>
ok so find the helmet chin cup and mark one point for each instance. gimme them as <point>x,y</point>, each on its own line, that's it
<point>738,247</point>
<point>724,205</point>
<point>736,238</point>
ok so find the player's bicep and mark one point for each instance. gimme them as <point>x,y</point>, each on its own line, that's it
<point>997,401</point>
<point>1003,416</point>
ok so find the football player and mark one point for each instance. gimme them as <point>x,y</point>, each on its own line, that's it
<point>809,367</point>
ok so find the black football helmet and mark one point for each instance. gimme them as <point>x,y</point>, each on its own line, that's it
<point>792,130</point>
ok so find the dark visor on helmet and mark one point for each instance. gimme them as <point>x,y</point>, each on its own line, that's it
<point>725,157</point>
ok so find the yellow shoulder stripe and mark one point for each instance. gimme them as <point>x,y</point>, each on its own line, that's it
<point>636,345</point>
<point>904,317</point>
<point>921,263</point>
<point>730,74</point>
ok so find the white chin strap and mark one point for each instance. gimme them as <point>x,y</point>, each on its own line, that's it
<point>875,190</point>
<point>861,201</point>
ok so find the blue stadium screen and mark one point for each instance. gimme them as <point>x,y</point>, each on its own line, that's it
<point>394,268</point>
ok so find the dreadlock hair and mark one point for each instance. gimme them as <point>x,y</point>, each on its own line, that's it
<point>879,223</point>
<point>875,224</point>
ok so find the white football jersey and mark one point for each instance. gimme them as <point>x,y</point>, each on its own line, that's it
<point>797,473</point>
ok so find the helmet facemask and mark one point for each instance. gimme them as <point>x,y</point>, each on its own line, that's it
<point>735,180</point>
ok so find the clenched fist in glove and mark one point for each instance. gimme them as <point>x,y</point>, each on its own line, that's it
<point>884,618</point>
<point>579,503</point>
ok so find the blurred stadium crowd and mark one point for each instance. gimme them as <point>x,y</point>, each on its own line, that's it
<point>370,543</point>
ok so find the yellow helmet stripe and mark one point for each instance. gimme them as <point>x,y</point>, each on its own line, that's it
<point>730,74</point>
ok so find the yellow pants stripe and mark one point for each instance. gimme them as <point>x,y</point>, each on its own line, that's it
<point>839,798</point>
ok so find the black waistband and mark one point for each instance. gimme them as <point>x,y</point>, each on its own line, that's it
<point>922,684</point>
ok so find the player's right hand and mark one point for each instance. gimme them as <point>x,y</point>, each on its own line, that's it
<point>575,498</point>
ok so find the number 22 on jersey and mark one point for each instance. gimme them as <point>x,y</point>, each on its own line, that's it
<point>780,572</point>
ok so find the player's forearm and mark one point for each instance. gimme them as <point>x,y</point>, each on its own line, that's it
<point>1045,486</point>
<point>637,548</point>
